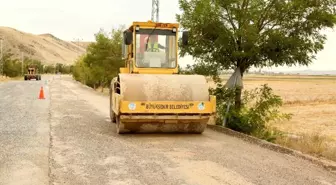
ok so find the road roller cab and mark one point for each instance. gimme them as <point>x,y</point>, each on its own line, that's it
<point>32,73</point>
<point>149,95</point>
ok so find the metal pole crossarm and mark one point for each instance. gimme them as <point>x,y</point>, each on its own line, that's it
<point>155,10</point>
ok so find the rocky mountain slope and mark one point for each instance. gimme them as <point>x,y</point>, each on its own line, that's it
<point>45,47</point>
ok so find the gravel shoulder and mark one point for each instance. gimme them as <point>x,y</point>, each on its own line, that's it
<point>86,150</point>
<point>24,133</point>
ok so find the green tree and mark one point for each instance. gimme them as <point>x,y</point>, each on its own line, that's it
<point>242,34</point>
<point>102,60</point>
<point>62,68</point>
<point>49,69</point>
<point>27,62</point>
<point>104,57</point>
<point>11,66</point>
<point>80,70</point>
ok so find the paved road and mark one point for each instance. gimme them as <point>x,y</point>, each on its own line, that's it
<point>24,133</point>
<point>67,139</point>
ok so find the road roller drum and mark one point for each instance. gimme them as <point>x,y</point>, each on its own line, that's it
<point>148,95</point>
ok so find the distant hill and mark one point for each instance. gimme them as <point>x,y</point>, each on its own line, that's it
<point>294,72</point>
<point>313,72</point>
<point>82,44</point>
<point>44,47</point>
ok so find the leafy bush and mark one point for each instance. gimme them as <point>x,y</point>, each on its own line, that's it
<point>102,60</point>
<point>260,106</point>
<point>13,66</point>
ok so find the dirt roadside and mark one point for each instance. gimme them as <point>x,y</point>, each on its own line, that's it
<point>86,150</point>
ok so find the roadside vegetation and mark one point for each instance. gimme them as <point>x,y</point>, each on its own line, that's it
<point>102,60</point>
<point>4,78</point>
<point>256,34</point>
<point>310,143</point>
<point>304,111</point>
<point>12,66</point>
<point>235,35</point>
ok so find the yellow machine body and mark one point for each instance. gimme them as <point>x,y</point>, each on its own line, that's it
<point>148,95</point>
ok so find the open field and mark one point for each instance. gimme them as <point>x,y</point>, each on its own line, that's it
<point>312,101</point>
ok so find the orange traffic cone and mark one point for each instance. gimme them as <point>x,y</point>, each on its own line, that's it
<point>41,96</point>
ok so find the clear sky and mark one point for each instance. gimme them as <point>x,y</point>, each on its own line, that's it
<point>81,19</point>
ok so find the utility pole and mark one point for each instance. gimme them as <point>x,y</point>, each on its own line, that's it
<point>22,63</point>
<point>77,43</point>
<point>1,56</point>
<point>155,10</point>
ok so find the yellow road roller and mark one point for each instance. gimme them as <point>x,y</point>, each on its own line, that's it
<point>148,95</point>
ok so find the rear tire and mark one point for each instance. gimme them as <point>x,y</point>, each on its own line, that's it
<point>199,128</point>
<point>120,127</point>
<point>112,114</point>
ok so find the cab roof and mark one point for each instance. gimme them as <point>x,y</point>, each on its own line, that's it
<point>151,24</point>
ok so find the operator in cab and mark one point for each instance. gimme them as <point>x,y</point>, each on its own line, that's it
<point>153,44</point>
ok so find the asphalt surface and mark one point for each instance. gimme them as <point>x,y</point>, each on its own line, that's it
<point>24,133</point>
<point>67,139</point>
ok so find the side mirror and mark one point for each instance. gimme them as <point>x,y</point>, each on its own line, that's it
<point>185,38</point>
<point>128,37</point>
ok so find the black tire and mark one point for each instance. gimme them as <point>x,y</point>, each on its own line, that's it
<point>112,114</point>
<point>118,126</point>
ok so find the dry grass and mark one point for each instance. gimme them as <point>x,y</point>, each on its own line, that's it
<point>312,101</point>
<point>314,144</point>
<point>45,47</point>
<point>4,78</point>
<point>104,90</point>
